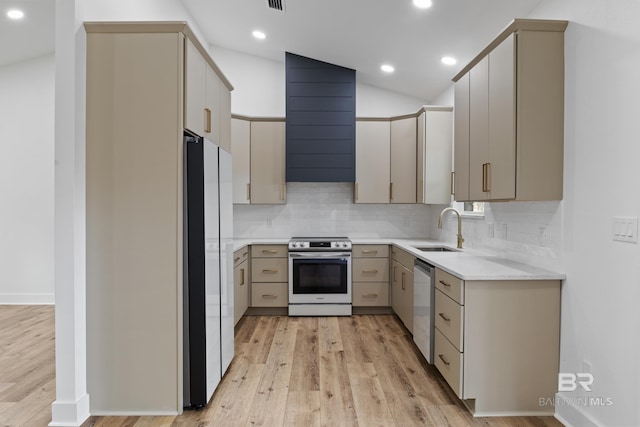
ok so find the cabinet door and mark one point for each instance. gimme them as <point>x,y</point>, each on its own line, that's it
<point>268,162</point>
<point>478,129</point>
<point>396,289</point>
<point>195,90</point>
<point>437,157</point>
<point>406,284</point>
<point>212,106</point>
<point>240,153</point>
<point>241,290</point>
<point>225,118</point>
<point>372,162</point>
<point>403,160</point>
<point>501,169</point>
<point>461,135</point>
<point>420,167</point>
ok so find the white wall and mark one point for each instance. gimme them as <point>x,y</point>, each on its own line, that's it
<point>26,181</point>
<point>600,318</point>
<point>259,88</point>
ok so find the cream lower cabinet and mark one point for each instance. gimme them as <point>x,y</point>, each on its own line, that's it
<point>269,276</point>
<point>497,343</point>
<point>402,286</point>
<point>241,283</point>
<point>510,116</point>
<point>370,275</point>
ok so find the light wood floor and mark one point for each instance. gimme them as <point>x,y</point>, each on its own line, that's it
<point>340,371</point>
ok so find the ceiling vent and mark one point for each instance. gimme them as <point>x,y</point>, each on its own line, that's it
<point>276,4</point>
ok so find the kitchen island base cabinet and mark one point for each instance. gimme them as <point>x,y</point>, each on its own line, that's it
<point>508,357</point>
<point>269,276</point>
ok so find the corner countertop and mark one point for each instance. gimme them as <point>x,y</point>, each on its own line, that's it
<point>467,264</point>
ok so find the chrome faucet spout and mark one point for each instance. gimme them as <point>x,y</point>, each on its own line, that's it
<point>460,239</point>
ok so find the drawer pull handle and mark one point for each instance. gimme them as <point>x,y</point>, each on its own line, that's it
<point>369,271</point>
<point>445,318</point>
<point>444,360</point>
<point>270,271</point>
<point>403,281</point>
<point>269,251</point>
<point>445,283</point>
<point>245,253</point>
<point>242,276</point>
<point>269,296</point>
<point>369,251</point>
<point>369,295</point>
<point>236,259</point>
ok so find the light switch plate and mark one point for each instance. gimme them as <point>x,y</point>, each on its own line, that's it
<point>625,229</point>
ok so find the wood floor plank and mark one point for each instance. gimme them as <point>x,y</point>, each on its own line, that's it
<point>305,373</point>
<point>368,396</point>
<point>154,421</point>
<point>351,334</point>
<point>303,409</point>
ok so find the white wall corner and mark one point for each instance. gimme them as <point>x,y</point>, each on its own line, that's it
<point>70,414</point>
<point>571,415</point>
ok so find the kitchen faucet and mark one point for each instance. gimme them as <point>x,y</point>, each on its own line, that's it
<point>460,239</point>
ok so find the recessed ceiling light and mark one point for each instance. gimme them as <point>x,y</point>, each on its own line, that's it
<point>387,68</point>
<point>15,14</point>
<point>448,60</point>
<point>422,4</point>
<point>259,35</point>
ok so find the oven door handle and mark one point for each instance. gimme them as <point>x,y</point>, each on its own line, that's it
<point>319,254</point>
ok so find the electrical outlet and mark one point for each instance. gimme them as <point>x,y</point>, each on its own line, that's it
<point>268,222</point>
<point>625,229</point>
<point>542,236</point>
<point>490,230</point>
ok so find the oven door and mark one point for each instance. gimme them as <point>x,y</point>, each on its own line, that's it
<point>319,277</point>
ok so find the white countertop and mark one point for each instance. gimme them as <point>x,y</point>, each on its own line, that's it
<point>467,264</point>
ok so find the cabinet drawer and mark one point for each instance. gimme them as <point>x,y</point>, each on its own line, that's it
<point>370,270</point>
<point>370,251</point>
<point>448,360</point>
<point>449,319</point>
<point>269,294</point>
<point>269,270</point>
<point>404,258</point>
<point>240,256</point>
<point>372,294</point>
<point>269,251</point>
<point>450,285</point>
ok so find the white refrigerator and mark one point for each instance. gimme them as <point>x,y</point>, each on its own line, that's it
<point>208,269</point>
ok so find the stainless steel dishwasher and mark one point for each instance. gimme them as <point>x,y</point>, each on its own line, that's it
<point>423,314</point>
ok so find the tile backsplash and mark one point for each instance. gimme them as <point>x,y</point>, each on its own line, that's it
<point>524,231</point>
<point>327,209</point>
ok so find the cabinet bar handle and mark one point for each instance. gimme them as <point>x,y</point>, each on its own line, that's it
<point>269,296</point>
<point>369,295</point>
<point>270,271</point>
<point>391,191</point>
<point>369,251</point>
<point>444,360</point>
<point>356,192</point>
<point>236,259</point>
<point>445,284</point>
<point>445,318</point>
<point>242,276</point>
<point>402,280</point>
<point>248,191</point>
<point>394,272</point>
<point>269,251</point>
<point>488,176</point>
<point>484,174</point>
<point>453,177</point>
<point>373,271</point>
<point>245,253</point>
<point>207,115</point>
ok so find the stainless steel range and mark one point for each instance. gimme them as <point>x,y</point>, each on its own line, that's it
<point>320,276</point>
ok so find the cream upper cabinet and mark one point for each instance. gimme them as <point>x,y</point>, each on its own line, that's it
<point>373,145</point>
<point>434,155</point>
<point>203,90</point>
<point>461,143</point>
<point>514,92</point>
<point>268,162</point>
<point>225,117</point>
<point>241,155</point>
<point>403,160</point>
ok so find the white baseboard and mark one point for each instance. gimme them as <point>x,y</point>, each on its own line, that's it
<point>571,415</point>
<point>70,414</point>
<point>27,299</point>
<point>134,413</point>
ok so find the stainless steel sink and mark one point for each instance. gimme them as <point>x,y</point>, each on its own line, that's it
<point>435,249</point>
